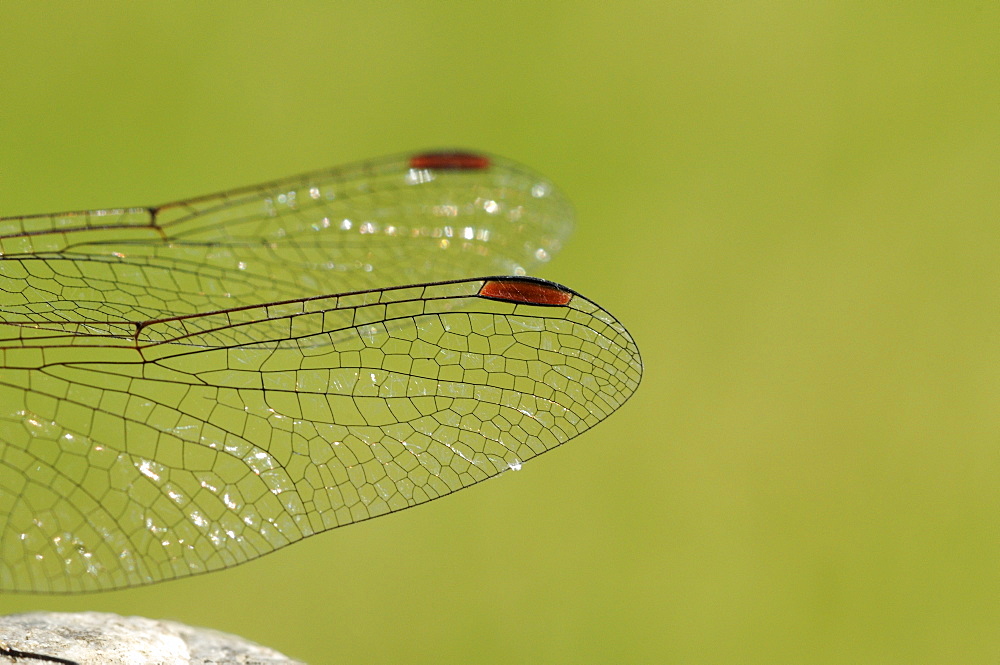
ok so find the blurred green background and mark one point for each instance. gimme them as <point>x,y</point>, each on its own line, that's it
<point>793,206</point>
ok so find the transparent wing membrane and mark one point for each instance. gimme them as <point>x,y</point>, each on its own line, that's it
<point>179,393</point>
<point>354,228</point>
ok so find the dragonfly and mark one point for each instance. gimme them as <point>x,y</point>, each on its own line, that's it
<point>187,387</point>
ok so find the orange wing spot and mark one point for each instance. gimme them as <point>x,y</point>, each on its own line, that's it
<point>526,291</point>
<point>450,161</point>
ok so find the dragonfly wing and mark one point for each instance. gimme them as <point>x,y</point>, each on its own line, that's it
<point>192,444</point>
<point>389,222</point>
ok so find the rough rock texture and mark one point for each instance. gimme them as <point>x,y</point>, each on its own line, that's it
<point>96,638</point>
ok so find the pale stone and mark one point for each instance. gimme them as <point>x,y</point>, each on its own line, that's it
<point>96,638</point>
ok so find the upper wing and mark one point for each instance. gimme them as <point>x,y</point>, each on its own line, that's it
<point>389,222</point>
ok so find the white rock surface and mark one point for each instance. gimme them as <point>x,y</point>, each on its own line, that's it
<point>96,638</point>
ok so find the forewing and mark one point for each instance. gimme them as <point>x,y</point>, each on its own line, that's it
<point>389,222</point>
